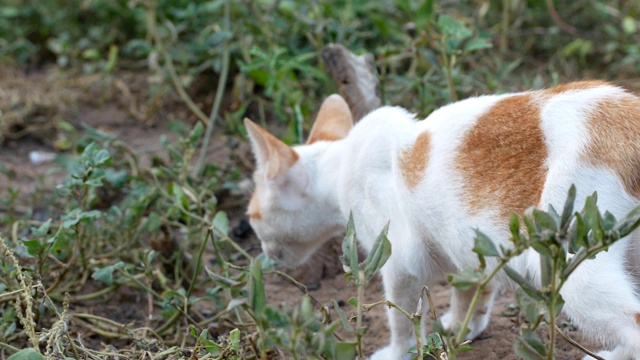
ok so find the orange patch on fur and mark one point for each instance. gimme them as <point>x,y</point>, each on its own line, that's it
<point>254,207</point>
<point>614,125</point>
<point>637,317</point>
<point>578,85</point>
<point>413,161</point>
<point>502,157</point>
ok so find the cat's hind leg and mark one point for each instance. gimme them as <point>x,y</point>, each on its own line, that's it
<point>600,298</point>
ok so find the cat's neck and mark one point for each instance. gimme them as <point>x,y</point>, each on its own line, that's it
<point>350,171</point>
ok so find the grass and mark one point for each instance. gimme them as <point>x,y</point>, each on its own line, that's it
<point>161,232</point>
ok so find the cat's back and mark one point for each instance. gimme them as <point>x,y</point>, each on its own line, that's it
<point>501,150</point>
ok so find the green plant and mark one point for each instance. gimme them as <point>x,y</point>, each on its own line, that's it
<point>554,236</point>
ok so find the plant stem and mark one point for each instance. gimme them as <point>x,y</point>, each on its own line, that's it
<point>577,345</point>
<point>140,283</point>
<point>222,80</point>
<point>504,27</point>
<point>100,319</point>
<point>177,84</point>
<point>389,304</point>
<point>196,270</point>
<point>552,309</point>
<point>474,301</point>
<point>73,346</point>
<point>416,320</point>
<point>9,347</point>
<point>360,286</point>
<point>448,72</point>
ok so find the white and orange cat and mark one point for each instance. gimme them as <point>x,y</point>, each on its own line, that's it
<point>467,166</point>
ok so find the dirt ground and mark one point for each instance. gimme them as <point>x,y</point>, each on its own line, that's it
<point>324,276</point>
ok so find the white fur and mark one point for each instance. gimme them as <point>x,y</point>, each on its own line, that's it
<point>432,227</point>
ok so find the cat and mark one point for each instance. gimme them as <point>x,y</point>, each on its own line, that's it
<point>469,165</point>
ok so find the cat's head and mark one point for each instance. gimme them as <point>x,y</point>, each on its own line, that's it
<point>288,211</point>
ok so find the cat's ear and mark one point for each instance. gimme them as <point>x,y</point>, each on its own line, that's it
<point>334,120</point>
<point>271,154</point>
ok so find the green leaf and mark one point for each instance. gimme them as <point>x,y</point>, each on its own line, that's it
<point>514,225</point>
<point>306,307</point>
<point>540,246</point>
<point>567,210</point>
<point>10,329</point>
<point>546,275</point>
<point>257,296</point>
<point>33,246</point>
<point>425,13</point>
<point>101,157</point>
<point>608,221</point>
<point>378,256</point>
<point>629,25</point>
<point>152,223</point>
<point>180,199</point>
<point>195,134</point>
<point>593,219</point>
<point>349,258</point>
<point>343,318</point>
<point>211,347</point>
<point>466,279</point>
<point>528,222</point>
<point>26,354</point>
<point>10,11</point>
<point>234,340</point>
<point>577,235</point>
<point>529,347</point>
<point>221,223</point>
<point>112,59</point>
<point>43,229</point>
<point>630,222</point>
<point>544,220</point>
<point>531,308</point>
<point>483,245</point>
<point>559,305</point>
<point>433,343</point>
<point>437,326</point>
<point>453,28</point>
<point>116,178</point>
<point>76,215</point>
<point>476,44</point>
<point>345,351</point>
<point>578,47</point>
<point>523,283</point>
<point>554,215</point>
<point>105,274</point>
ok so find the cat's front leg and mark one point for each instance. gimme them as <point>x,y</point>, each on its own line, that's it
<point>403,289</point>
<point>460,303</point>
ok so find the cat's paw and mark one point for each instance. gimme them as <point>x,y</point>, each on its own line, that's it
<point>390,353</point>
<point>476,325</point>
<point>447,321</point>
